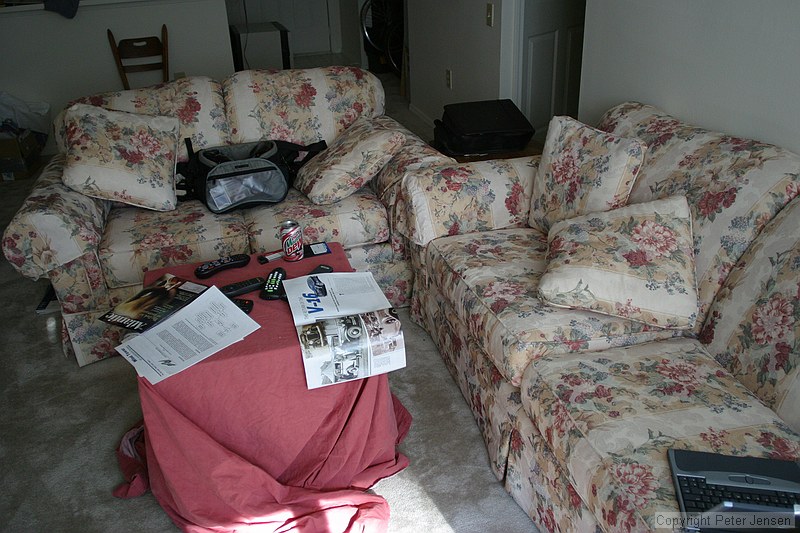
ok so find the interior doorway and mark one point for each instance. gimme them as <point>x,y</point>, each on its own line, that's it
<point>550,47</point>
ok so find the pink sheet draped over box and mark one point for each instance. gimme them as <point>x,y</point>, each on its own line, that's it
<point>237,442</point>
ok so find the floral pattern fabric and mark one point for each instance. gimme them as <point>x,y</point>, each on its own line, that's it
<point>413,155</point>
<point>634,262</point>
<point>195,101</point>
<point>302,106</point>
<point>491,280</point>
<point>753,327</point>
<point>355,221</point>
<point>349,163</point>
<point>59,232</point>
<point>583,170</point>
<point>609,418</point>
<point>734,186</point>
<point>457,199</point>
<point>128,158</point>
<point>136,240</point>
<point>54,225</point>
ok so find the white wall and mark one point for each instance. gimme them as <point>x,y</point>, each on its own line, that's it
<point>47,57</point>
<point>727,65</point>
<point>451,34</point>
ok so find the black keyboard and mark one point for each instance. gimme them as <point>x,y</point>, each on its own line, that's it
<point>699,496</point>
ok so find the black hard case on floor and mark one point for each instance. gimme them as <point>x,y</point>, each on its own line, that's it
<point>481,127</point>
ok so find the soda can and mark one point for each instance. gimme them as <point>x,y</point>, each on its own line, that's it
<point>291,240</point>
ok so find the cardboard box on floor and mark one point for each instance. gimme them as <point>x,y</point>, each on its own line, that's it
<point>19,155</point>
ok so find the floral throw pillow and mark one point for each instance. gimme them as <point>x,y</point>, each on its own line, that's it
<point>635,262</point>
<point>121,156</point>
<point>351,160</point>
<point>583,170</point>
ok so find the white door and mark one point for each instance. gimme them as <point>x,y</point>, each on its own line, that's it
<point>550,66</point>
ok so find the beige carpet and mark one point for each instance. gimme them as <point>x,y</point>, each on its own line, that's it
<point>61,424</point>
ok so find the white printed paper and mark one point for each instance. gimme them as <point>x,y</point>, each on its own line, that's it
<point>202,328</point>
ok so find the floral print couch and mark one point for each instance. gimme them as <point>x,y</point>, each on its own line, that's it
<point>578,407</point>
<point>96,251</point>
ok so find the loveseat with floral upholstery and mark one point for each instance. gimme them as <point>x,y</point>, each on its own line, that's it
<point>105,210</point>
<point>636,288</point>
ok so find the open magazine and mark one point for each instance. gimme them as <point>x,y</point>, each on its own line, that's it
<point>346,327</point>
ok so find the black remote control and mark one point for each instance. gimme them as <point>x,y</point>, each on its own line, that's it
<point>322,269</point>
<point>273,288</point>
<point>243,304</point>
<point>242,287</point>
<point>209,268</point>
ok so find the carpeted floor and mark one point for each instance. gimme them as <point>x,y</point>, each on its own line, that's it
<point>60,426</point>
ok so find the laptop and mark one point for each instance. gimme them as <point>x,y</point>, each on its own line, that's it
<point>716,483</point>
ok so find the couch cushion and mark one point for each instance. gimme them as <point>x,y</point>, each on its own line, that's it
<point>753,327</point>
<point>464,198</point>
<point>610,417</point>
<point>491,279</point>
<point>734,186</point>
<point>138,240</point>
<point>357,220</point>
<point>126,157</point>
<point>635,262</point>
<point>349,163</point>
<point>195,101</point>
<point>313,104</point>
<point>414,154</point>
<point>583,170</point>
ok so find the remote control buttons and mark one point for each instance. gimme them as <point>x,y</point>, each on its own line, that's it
<point>209,268</point>
<point>273,287</point>
<point>242,287</point>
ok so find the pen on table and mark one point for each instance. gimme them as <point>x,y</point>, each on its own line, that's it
<point>266,258</point>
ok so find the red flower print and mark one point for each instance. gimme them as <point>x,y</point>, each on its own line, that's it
<point>773,320</point>
<point>707,334</point>
<point>637,258</point>
<point>513,199</point>
<point>779,447</point>
<point>188,111</point>
<point>574,498</point>
<point>601,391</point>
<point>678,371</point>
<point>637,481</point>
<point>566,169</point>
<point>177,254</point>
<point>716,438</point>
<point>559,246</point>
<point>627,310</point>
<point>305,97</point>
<point>771,363</point>
<point>654,238</point>
<point>516,441</point>
<point>714,202</point>
<point>792,190</point>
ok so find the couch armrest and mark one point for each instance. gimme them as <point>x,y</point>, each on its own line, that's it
<point>457,198</point>
<point>54,226</point>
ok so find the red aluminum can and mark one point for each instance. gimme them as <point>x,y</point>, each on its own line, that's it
<point>291,240</point>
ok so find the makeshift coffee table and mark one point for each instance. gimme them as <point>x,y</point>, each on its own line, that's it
<point>237,441</point>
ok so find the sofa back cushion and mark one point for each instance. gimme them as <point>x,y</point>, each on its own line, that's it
<point>195,101</point>
<point>301,105</point>
<point>734,186</point>
<point>753,327</point>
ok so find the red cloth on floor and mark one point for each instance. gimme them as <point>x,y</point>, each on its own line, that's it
<point>238,442</point>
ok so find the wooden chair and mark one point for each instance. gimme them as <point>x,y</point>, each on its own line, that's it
<point>138,48</point>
